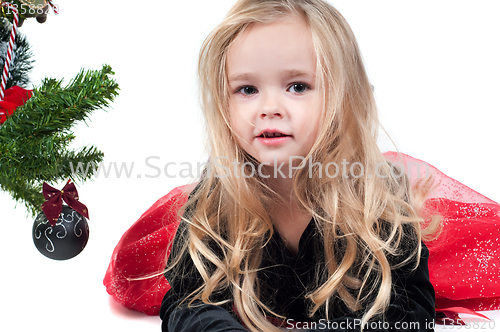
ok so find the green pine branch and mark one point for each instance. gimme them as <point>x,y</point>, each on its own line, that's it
<point>29,193</point>
<point>21,64</point>
<point>34,140</point>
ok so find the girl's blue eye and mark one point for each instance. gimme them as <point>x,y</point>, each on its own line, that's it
<point>247,90</point>
<point>299,87</point>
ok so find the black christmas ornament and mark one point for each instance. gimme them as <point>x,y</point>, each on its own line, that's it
<point>65,239</point>
<point>61,231</point>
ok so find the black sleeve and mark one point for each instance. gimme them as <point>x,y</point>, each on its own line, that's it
<point>184,279</point>
<point>411,307</point>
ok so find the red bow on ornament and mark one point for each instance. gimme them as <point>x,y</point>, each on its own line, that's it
<point>53,206</point>
<point>14,97</point>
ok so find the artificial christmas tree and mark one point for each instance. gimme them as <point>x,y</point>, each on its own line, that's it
<point>36,131</point>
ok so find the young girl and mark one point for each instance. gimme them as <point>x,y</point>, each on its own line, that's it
<point>299,221</point>
<point>269,237</point>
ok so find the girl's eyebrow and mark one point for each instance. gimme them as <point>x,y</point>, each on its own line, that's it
<point>289,73</point>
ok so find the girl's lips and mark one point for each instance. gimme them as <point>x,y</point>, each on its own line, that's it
<point>270,141</point>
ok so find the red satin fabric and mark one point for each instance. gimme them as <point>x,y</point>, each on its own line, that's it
<point>464,262</point>
<point>14,97</point>
<point>141,252</point>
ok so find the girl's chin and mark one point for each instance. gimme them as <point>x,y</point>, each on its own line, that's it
<point>269,168</point>
<point>273,162</point>
<point>279,161</point>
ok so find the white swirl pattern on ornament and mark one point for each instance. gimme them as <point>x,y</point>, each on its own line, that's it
<point>51,248</point>
<point>76,224</point>
<point>68,218</point>
<point>59,223</point>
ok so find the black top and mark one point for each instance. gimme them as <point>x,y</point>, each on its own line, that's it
<point>285,280</point>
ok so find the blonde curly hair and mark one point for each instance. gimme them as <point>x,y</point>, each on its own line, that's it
<point>235,212</point>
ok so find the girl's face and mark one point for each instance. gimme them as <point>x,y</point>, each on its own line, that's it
<point>271,70</point>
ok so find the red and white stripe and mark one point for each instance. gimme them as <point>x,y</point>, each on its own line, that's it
<point>8,59</point>
<point>55,8</point>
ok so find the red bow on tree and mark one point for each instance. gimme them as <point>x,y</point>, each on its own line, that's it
<point>53,206</point>
<point>14,97</point>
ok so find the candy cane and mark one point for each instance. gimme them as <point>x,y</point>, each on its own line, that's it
<point>54,7</point>
<point>8,59</point>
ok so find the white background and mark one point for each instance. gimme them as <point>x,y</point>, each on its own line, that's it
<point>434,65</point>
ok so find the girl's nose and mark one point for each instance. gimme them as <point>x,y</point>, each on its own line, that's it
<point>271,114</point>
<point>272,107</point>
